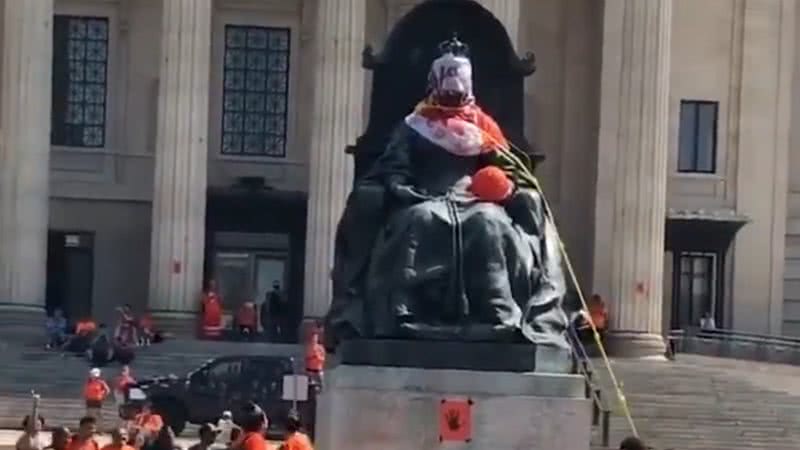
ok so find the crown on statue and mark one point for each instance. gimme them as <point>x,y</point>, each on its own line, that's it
<point>454,46</point>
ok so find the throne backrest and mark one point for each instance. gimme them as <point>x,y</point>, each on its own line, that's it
<point>400,71</point>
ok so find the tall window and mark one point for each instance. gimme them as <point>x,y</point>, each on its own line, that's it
<point>80,64</point>
<point>255,91</point>
<point>696,287</point>
<point>697,147</point>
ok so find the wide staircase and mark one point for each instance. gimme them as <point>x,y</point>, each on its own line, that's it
<point>708,403</point>
<point>59,379</point>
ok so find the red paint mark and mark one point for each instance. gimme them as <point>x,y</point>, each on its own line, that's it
<point>455,421</point>
<point>176,267</point>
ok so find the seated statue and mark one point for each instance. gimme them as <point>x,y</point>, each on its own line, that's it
<point>446,237</point>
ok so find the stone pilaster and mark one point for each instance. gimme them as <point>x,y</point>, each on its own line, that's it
<point>179,197</point>
<point>508,13</point>
<point>25,155</point>
<point>632,171</point>
<point>336,118</point>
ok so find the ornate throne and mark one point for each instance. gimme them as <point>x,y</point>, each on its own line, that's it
<point>400,72</point>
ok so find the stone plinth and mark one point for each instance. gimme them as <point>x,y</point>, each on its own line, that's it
<point>484,356</point>
<point>393,408</point>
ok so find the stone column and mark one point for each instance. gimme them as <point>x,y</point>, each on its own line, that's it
<point>632,171</point>
<point>25,155</point>
<point>508,13</point>
<point>179,197</point>
<point>336,120</point>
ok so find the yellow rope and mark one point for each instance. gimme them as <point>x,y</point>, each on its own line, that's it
<point>511,157</point>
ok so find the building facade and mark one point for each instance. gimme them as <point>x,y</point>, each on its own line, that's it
<point>148,145</point>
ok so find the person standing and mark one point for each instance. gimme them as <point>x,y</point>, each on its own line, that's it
<point>59,439</point>
<point>225,426</point>
<point>276,316</point>
<point>95,391</point>
<point>32,437</point>
<point>121,385</point>
<point>254,423</point>
<point>84,439</point>
<point>208,436</point>
<point>315,360</point>
<point>119,440</point>
<point>295,439</point>
<point>212,311</point>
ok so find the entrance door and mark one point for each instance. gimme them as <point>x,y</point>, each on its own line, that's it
<point>70,273</point>
<point>697,273</point>
<point>269,271</point>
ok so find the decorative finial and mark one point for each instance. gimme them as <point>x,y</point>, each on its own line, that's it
<point>454,46</point>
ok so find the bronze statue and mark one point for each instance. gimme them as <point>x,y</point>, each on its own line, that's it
<point>446,236</point>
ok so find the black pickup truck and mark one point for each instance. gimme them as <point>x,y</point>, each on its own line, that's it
<point>224,384</point>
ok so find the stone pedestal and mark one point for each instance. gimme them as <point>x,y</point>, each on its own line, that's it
<point>391,408</point>
<point>179,197</point>
<point>632,172</point>
<point>25,159</point>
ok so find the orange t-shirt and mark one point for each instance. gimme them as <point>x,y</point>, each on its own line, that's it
<point>599,316</point>
<point>212,310</point>
<point>254,441</point>
<point>85,327</point>
<point>117,447</point>
<point>76,444</point>
<point>151,422</point>
<point>247,315</point>
<point>96,390</point>
<point>315,357</point>
<point>297,441</point>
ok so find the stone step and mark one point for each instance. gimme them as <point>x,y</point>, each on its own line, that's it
<point>709,403</point>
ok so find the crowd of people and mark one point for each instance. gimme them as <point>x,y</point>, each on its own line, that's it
<point>147,431</point>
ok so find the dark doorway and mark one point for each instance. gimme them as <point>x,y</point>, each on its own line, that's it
<point>700,243</point>
<point>255,237</point>
<point>70,273</point>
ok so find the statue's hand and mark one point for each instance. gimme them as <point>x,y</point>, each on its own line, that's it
<point>408,194</point>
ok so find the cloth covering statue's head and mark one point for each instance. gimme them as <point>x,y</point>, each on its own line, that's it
<point>450,78</point>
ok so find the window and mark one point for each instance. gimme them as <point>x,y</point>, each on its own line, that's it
<point>696,288</point>
<point>255,91</point>
<point>697,146</point>
<point>80,65</point>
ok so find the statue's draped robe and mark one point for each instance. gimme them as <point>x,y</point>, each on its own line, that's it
<point>446,259</point>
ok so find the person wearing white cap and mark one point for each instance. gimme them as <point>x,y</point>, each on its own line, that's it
<point>225,425</point>
<point>95,392</point>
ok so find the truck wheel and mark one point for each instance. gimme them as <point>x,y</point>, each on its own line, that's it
<point>173,412</point>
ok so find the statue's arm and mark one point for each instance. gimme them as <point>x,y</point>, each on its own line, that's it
<point>393,169</point>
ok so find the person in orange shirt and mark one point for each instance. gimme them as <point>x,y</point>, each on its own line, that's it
<point>315,360</point>
<point>85,327</point>
<point>212,311</point>
<point>295,438</point>
<point>84,439</point>
<point>148,423</point>
<point>598,314</point>
<point>253,425</point>
<point>121,384</point>
<point>119,440</point>
<point>247,320</point>
<point>95,392</point>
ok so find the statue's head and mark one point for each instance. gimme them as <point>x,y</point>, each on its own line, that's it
<point>450,78</point>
